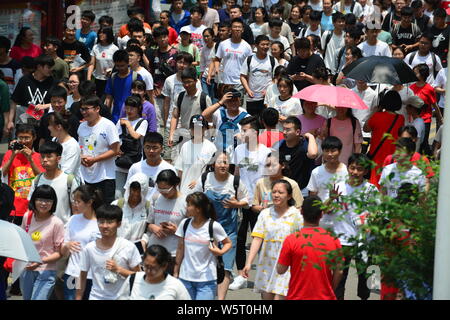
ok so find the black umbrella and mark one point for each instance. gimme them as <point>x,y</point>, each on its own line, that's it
<point>380,69</point>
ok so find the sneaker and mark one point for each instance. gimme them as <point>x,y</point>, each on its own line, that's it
<point>238,283</point>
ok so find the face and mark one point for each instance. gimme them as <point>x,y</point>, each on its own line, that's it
<point>341,111</point>
<point>49,48</point>
<point>134,58</point>
<point>196,17</point>
<point>54,130</point>
<point>327,5</point>
<point>249,134</point>
<point>152,269</point>
<point>310,107</point>
<point>362,85</point>
<point>306,15</point>
<point>90,113</point>
<point>26,139</point>
<point>275,49</point>
<point>348,55</point>
<point>233,104</point>
<point>45,70</point>
<point>339,24</point>
<point>399,4</point>
<point>50,161</point>
<point>289,132</point>
<point>189,84</point>
<point>405,134</point>
<point>57,103</point>
<point>132,112</point>
<point>398,54</point>
<point>138,91</point>
<point>139,36</point>
<point>275,31</point>
<point>246,4</point>
<point>372,34</point>
<point>263,46</point>
<point>230,3</point>
<point>424,45</point>
<point>162,41</point>
<point>272,167</point>
<point>283,88</point>
<point>181,65</point>
<point>29,36</point>
<point>259,15</point>
<point>135,195</point>
<point>164,18</point>
<point>43,205</point>
<point>356,172</point>
<point>185,37</point>
<point>102,37</point>
<point>362,2</point>
<point>224,33</point>
<point>208,37</point>
<point>191,210</point>
<point>314,24</point>
<point>152,150</point>
<point>295,13</point>
<point>406,20</point>
<point>222,164</point>
<point>304,53</point>
<point>349,41</point>
<point>178,5</point>
<point>78,205</point>
<point>275,15</point>
<point>69,34</point>
<point>73,82</point>
<point>203,3</point>
<point>439,21</point>
<point>108,227</point>
<point>331,155</point>
<point>237,29</point>
<point>280,195</point>
<point>121,66</point>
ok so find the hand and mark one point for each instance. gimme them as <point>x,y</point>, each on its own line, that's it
<point>230,203</point>
<point>124,122</point>
<point>157,231</point>
<point>208,80</point>
<point>215,250</point>
<point>76,69</point>
<point>227,96</point>
<point>32,266</point>
<point>40,107</point>
<point>192,184</point>
<point>168,228</point>
<point>27,152</point>
<point>120,153</point>
<point>112,266</point>
<point>246,270</point>
<point>88,161</point>
<point>250,94</point>
<point>74,246</point>
<point>296,77</point>
<point>8,128</point>
<point>282,118</point>
<point>308,135</point>
<point>334,193</point>
<point>314,132</point>
<point>170,141</point>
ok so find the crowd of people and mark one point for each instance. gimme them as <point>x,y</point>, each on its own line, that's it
<point>140,160</point>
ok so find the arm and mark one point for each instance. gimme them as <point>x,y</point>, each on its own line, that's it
<point>179,257</point>
<point>52,258</point>
<point>337,276</point>
<point>108,101</point>
<point>226,247</point>
<point>130,129</point>
<point>114,267</point>
<point>166,109</point>
<point>173,126</point>
<point>7,165</point>
<point>82,279</point>
<point>151,96</point>
<point>208,112</point>
<point>10,116</point>
<point>281,269</point>
<point>312,146</point>
<point>254,248</point>
<point>28,154</point>
<point>91,68</point>
<point>114,151</point>
<point>244,81</point>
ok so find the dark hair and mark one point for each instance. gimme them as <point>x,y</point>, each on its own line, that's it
<point>134,24</point>
<point>316,42</point>
<point>280,71</point>
<point>416,4</point>
<point>406,11</point>
<point>350,19</point>
<point>168,176</point>
<point>134,10</point>
<point>189,73</point>
<point>160,253</point>
<point>120,56</point>
<point>198,118</point>
<point>133,43</point>
<point>355,51</point>
<point>53,41</point>
<point>44,60</point>
<point>20,36</point>
<point>109,34</point>
<point>202,202</point>
<point>276,8</point>
<point>43,192</point>
<point>59,118</point>
<point>427,35</point>
<point>270,116</point>
<point>440,13</point>
<point>360,159</point>
<point>291,201</point>
<point>135,49</point>
<point>159,32</point>
<point>410,129</point>
<point>135,101</point>
<point>295,121</point>
<point>288,82</point>
<point>89,193</point>
<point>28,62</point>
<point>91,100</point>
<point>279,44</point>
<point>49,147</point>
<point>391,100</point>
<point>304,9</point>
<point>225,24</point>
<point>354,32</point>
<point>312,209</point>
<point>252,121</point>
<point>197,9</point>
<point>25,128</point>
<point>321,73</point>
<point>109,212</point>
<point>263,11</point>
<point>5,43</point>
<point>337,16</point>
<point>137,29</point>
<point>332,142</point>
<point>210,31</point>
<point>315,15</point>
<point>261,38</point>
<point>58,91</point>
<point>106,20</point>
<point>286,171</point>
<point>406,143</point>
<point>424,70</point>
<point>275,23</point>
<point>86,88</point>
<point>153,137</point>
<point>187,57</point>
<point>88,14</point>
<point>401,49</point>
<point>237,20</point>
<point>139,85</point>
<point>302,43</point>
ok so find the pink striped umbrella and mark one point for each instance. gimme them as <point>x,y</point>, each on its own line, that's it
<point>333,96</point>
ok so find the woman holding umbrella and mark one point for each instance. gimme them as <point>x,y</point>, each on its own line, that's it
<point>384,120</point>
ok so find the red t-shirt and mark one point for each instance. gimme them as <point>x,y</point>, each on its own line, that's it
<point>173,36</point>
<point>303,251</point>
<point>18,53</point>
<point>268,137</point>
<point>414,159</point>
<point>20,178</point>
<point>427,94</point>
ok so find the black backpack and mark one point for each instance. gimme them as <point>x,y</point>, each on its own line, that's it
<point>271,58</point>
<point>132,148</point>
<point>235,183</point>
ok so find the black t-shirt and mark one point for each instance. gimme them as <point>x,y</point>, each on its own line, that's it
<point>389,21</point>
<point>155,57</point>
<point>440,43</point>
<point>299,164</point>
<point>44,133</point>
<point>70,50</point>
<point>31,91</point>
<point>405,36</point>
<point>422,22</point>
<point>9,71</point>
<point>296,27</point>
<point>297,65</point>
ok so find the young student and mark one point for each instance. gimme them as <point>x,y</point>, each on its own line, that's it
<point>247,34</point>
<point>332,41</point>
<point>20,166</point>
<point>186,45</point>
<point>11,68</point>
<point>351,38</point>
<point>86,35</point>
<point>419,18</point>
<point>276,12</point>
<point>270,135</point>
<point>47,232</point>
<point>131,130</point>
<point>118,87</point>
<point>314,25</point>
<point>256,75</point>
<point>178,17</point>
<point>211,17</point>
<point>277,51</point>
<point>275,35</point>
<point>207,55</point>
<point>406,34</point>
<point>192,101</point>
<point>134,12</point>
<point>74,52</point>
<point>164,18</point>
<point>61,69</point>
<point>272,89</point>
<point>414,108</point>
<point>349,6</point>
<point>153,163</point>
<point>440,31</point>
<point>284,103</point>
<point>311,122</point>
<point>195,154</point>
<point>111,259</point>
<point>259,18</point>
<point>196,28</point>
<point>347,222</point>
<point>372,46</point>
<point>403,170</point>
<point>100,143</point>
<point>333,172</point>
<point>311,277</point>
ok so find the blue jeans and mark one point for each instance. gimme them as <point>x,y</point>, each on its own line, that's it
<point>70,288</point>
<point>209,89</point>
<point>205,290</point>
<point>37,285</point>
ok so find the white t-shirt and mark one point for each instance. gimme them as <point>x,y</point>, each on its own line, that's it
<point>357,10</point>
<point>71,157</point>
<point>290,107</point>
<point>196,34</point>
<point>316,6</point>
<point>391,178</point>
<point>167,210</point>
<point>192,160</point>
<point>251,165</point>
<point>142,130</point>
<point>370,98</point>
<point>256,29</point>
<point>217,120</point>
<point>233,55</point>
<point>84,231</point>
<point>199,264</point>
<point>103,59</point>
<point>169,289</point>
<point>272,91</point>
<point>441,81</point>
<point>59,184</point>
<point>334,46</point>
<point>428,60</point>
<point>124,253</point>
<point>259,76</point>
<point>284,41</point>
<point>151,172</point>
<point>380,49</point>
<point>147,78</point>
<point>206,56</point>
<point>419,124</point>
<point>95,141</point>
<point>133,220</point>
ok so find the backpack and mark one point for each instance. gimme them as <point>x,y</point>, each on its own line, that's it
<point>342,8</point>
<point>134,76</point>
<point>327,41</point>
<point>132,148</point>
<point>228,124</point>
<point>271,58</point>
<point>220,264</point>
<point>235,183</point>
<point>433,57</point>
<point>353,119</point>
<point>70,178</point>
<point>202,101</point>
<point>121,203</point>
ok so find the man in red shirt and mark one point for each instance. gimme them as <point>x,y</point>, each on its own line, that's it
<point>20,166</point>
<point>312,278</point>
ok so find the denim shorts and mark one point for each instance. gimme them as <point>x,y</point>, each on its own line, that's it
<point>204,290</point>
<point>37,285</point>
<point>230,256</point>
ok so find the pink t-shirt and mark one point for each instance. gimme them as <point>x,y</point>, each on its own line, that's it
<point>311,124</point>
<point>344,131</point>
<point>47,236</point>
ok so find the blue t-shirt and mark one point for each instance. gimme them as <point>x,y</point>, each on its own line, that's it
<point>120,92</point>
<point>87,39</point>
<point>326,23</point>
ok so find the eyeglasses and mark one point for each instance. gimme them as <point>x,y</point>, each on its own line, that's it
<point>86,109</point>
<point>46,201</point>
<point>164,190</point>
<point>25,138</point>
